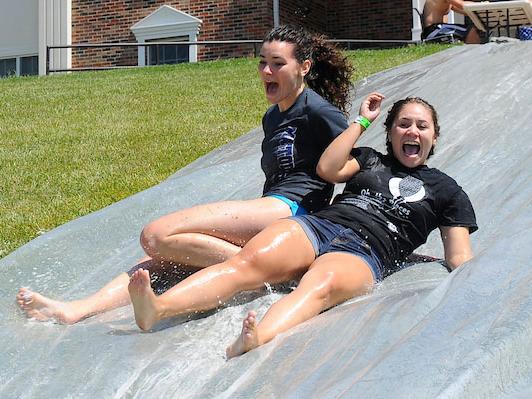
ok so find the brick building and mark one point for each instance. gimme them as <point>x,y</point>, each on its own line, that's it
<point>96,21</point>
<point>64,22</point>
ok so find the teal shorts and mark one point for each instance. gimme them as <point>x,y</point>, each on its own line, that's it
<point>295,208</point>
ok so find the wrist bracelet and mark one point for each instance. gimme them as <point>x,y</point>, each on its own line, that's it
<point>362,121</point>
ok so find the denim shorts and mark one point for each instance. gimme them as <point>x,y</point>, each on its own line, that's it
<point>295,208</point>
<point>327,236</point>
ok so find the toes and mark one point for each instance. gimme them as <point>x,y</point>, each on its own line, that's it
<point>252,313</point>
<point>251,318</point>
<point>144,276</point>
<point>135,278</point>
<point>248,324</point>
<point>28,297</point>
<point>24,297</point>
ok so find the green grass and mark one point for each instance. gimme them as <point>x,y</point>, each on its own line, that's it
<point>72,144</point>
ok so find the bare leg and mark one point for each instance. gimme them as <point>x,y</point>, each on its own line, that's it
<point>113,295</point>
<point>279,253</point>
<point>192,248</point>
<point>212,233</point>
<point>332,279</point>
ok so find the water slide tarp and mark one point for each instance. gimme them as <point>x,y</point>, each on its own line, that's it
<point>424,333</point>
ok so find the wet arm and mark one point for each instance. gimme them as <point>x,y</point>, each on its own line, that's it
<point>456,244</point>
<point>336,164</point>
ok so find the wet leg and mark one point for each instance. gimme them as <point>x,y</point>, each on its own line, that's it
<point>279,253</point>
<point>113,295</point>
<point>332,279</point>
<point>209,234</point>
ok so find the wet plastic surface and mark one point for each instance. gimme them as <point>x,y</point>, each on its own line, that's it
<point>422,333</point>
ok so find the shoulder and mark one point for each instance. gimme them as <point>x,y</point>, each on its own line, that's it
<point>271,117</point>
<point>316,104</point>
<point>447,189</point>
<point>436,176</point>
<point>367,151</point>
<point>322,113</point>
<point>368,157</point>
<point>273,109</point>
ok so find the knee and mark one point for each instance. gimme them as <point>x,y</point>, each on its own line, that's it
<point>321,285</point>
<point>152,239</point>
<point>248,268</point>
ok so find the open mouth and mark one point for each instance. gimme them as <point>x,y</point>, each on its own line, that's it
<point>271,87</point>
<point>411,148</point>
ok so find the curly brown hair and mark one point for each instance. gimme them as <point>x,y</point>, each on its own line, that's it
<point>331,72</point>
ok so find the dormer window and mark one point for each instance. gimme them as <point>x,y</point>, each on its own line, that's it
<point>167,24</point>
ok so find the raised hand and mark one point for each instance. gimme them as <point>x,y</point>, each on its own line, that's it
<point>371,106</point>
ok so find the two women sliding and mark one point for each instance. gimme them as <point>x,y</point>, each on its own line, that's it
<point>390,204</point>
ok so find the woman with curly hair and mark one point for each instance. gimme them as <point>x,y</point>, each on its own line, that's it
<point>308,82</point>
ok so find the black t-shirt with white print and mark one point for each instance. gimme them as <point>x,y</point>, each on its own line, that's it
<point>394,208</point>
<point>293,143</point>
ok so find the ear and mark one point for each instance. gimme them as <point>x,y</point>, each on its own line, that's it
<point>305,67</point>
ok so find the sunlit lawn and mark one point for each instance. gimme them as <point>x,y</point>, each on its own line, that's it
<point>72,144</point>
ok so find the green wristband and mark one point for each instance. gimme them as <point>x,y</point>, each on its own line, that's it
<point>363,121</point>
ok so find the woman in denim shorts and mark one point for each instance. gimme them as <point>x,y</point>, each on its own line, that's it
<point>390,204</point>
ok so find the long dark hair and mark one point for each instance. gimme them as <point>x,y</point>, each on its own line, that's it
<point>330,73</point>
<point>397,107</point>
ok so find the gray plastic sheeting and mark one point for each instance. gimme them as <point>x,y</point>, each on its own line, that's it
<point>423,333</point>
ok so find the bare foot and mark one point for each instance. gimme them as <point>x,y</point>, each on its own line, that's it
<point>143,299</point>
<point>248,338</point>
<point>40,308</point>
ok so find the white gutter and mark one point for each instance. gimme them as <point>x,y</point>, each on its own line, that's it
<point>275,13</point>
<point>416,20</point>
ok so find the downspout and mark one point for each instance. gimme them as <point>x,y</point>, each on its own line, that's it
<point>275,13</point>
<point>416,19</point>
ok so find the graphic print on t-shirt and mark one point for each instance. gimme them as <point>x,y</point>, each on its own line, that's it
<point>284,152</point>
<point>409,188</point>
<point>402,190</point>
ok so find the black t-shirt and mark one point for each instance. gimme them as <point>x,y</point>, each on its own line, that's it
<point>394,208</point>
<point>293,143</point>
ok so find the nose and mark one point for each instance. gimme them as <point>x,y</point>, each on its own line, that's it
<point>266,69</point>
<point>413,131</point>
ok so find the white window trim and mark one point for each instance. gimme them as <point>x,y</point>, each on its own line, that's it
<point>166,22</point>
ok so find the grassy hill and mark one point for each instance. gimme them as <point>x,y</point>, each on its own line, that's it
<point>74,143</point>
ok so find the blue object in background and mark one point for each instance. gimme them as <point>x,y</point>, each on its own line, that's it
<point>524,33</point>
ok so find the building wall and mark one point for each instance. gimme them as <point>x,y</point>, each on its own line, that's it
<point>19,35</point>
<point>98,21</point>
<point>309,13</point>
<point>367,19</point>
